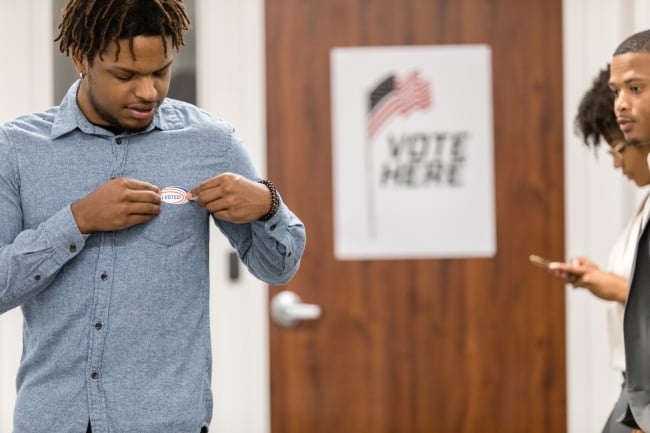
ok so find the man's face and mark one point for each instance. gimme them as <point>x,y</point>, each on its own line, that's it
<point>630,80</point>
<point>124,93</point>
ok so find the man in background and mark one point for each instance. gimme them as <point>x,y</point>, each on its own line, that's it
<point>630,82</point>
<point>596,122</point>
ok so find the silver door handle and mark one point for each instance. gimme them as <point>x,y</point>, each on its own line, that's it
<point>287,309</point>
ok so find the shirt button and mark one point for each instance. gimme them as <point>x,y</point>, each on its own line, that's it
<point>37,277</point>
<point>98,326</point>
<point>73,248</point>
<point>118,140</point>
<point>104,276</point>
<point>94,375</point>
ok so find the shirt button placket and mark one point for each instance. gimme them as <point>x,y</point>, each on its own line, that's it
<point>99,315</point>
<point>94,375</point>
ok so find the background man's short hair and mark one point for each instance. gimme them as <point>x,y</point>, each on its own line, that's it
<point>637,43</point>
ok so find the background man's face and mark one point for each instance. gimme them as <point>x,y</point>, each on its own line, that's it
<point>630,81</point>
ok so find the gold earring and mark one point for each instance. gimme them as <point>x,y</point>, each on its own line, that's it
<point>81,75</point>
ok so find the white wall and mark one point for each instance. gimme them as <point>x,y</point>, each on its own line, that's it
<point>230,64</point>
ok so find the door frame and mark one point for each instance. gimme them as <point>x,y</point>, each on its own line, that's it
<point>230,84</point>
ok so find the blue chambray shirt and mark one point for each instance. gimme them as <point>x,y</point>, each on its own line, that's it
<point>116,324</point>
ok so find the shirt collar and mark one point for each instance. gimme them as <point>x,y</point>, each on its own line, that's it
<point>69,117</point>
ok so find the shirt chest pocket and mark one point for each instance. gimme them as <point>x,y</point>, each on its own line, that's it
<point>175,224</point>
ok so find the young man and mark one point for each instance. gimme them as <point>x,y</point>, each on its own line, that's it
<point>104,203</point>
<point>630,82</point>
<point>596,122</point>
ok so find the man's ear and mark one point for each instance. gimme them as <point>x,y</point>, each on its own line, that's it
<point>80,64</point>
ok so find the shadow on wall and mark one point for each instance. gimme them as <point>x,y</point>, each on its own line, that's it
<point>183,86</point>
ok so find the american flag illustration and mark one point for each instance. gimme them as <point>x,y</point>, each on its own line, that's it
<point>397,97</point>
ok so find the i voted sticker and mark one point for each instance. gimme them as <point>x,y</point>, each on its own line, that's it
<point>174,195</point>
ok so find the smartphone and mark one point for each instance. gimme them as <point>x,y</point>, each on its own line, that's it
<point>539,261</point>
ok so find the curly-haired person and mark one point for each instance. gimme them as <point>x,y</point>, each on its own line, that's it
<point>105,201</point>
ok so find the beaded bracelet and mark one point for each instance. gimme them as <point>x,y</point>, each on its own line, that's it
<point>275,199</point>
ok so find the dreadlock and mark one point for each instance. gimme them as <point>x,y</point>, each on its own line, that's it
<point>595,118</point>
<point>87,27</point>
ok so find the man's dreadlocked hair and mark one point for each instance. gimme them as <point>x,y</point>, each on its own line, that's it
<point>87,27</point>
<point>595,118</point>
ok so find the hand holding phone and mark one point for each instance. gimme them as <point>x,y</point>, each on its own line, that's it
<point>582,272</point>
<point>571,272</point>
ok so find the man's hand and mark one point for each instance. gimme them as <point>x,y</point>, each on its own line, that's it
<point>231,197</point>
<point>117,204</point>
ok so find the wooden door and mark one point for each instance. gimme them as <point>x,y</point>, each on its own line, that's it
<point>462,345</point>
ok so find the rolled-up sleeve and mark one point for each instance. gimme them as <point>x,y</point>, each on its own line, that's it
<point>272,249</point>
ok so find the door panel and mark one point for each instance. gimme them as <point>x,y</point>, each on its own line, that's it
<point>464,345</point>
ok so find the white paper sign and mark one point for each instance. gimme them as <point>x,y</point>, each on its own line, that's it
<point>412,152</point>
